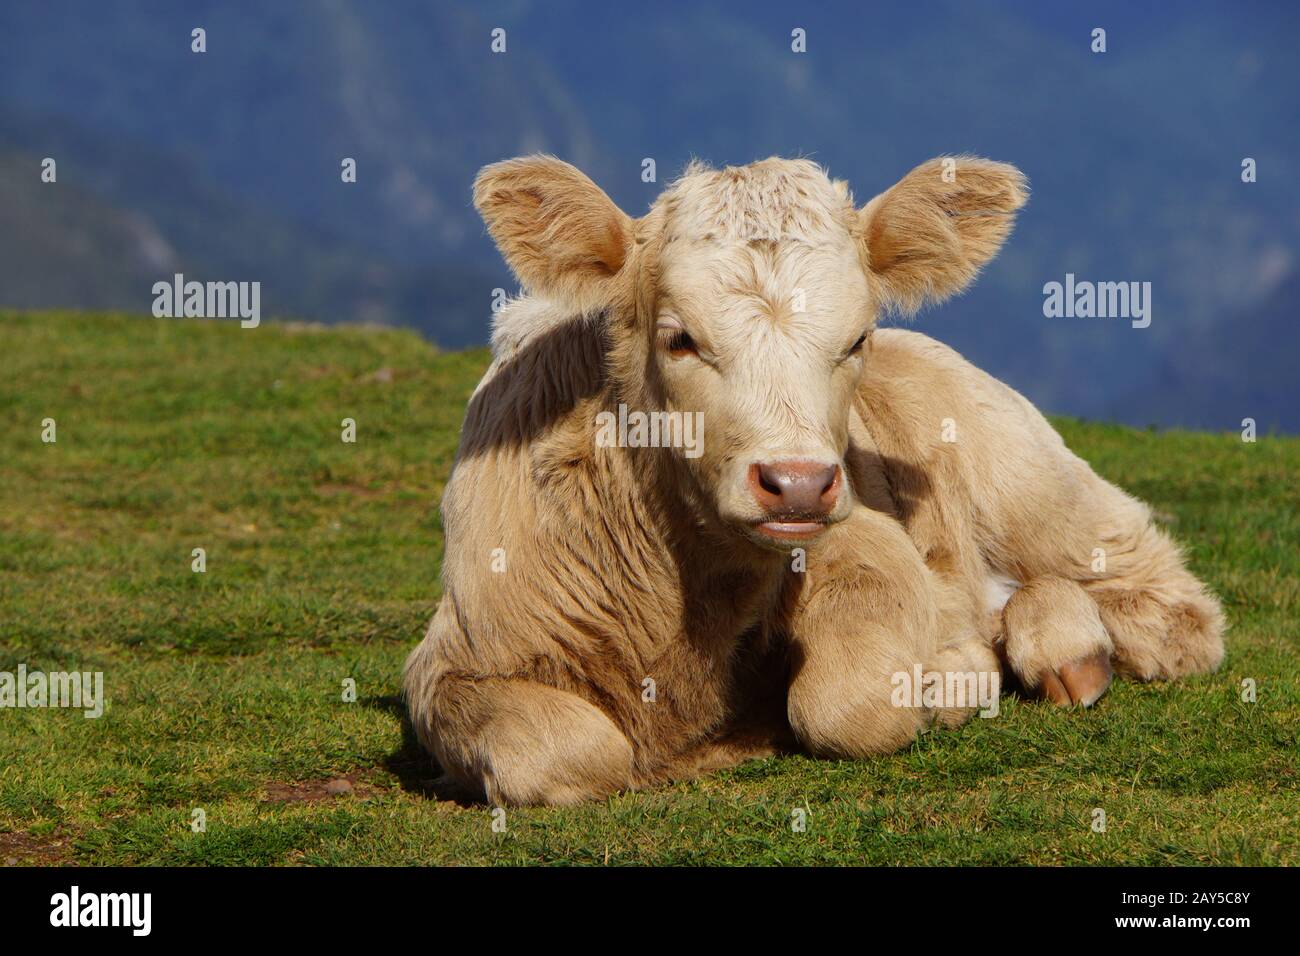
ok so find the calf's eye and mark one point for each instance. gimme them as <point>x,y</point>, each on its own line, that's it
<point>857,346</point>
<point>679,343</point>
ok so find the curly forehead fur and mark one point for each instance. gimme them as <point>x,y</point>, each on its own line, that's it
<point>772,200</point>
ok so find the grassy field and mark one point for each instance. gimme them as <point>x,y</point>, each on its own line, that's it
<point>225,688</point>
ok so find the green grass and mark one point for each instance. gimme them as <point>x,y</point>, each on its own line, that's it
<point>225,688</point>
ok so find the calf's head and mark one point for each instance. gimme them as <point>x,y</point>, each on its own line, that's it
<point>747,296</point>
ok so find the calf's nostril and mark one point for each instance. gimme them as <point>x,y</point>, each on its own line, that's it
<point>830,484</point>
<point>769,480</point>
<point>796,486</point>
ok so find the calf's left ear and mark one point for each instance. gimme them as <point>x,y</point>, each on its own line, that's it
<point>557,230</point>
<point>927,236</point>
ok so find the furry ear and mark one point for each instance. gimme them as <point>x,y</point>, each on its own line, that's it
<point>927,236</point>
<point>559,233</point>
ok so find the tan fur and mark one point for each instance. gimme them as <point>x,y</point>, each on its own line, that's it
<point>927,237</point>
<point>615,617</point>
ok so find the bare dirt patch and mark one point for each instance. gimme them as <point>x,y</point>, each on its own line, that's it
<point>332,489</point>
<point>24,849</point>
<point>312,791</point>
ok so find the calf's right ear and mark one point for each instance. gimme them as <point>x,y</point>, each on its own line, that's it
<point>557,230</point>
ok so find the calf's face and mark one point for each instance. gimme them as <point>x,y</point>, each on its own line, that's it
<point>746,298</point>
<point>765,338</point>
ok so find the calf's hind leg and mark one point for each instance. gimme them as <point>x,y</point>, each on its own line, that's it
<point>1145,613</point>
<point>522,743</point>
<point>1164,623</point>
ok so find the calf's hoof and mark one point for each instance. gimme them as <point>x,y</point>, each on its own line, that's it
<point>1078,682</point>
<point>1055,643</point>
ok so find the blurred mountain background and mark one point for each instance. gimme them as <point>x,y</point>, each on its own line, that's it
<point>225,165</point>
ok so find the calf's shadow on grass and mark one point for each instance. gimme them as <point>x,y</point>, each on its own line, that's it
<point>415,770</point>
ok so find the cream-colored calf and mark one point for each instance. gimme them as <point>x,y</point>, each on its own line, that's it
<point>862,505</point>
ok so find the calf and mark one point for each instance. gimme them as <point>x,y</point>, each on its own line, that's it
<point>861,504</point>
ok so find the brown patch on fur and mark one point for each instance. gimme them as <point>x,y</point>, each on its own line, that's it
<point>536,388</point>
